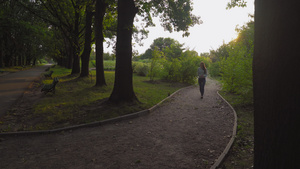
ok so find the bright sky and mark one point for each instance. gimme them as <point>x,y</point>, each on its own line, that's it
<point>218,26</point>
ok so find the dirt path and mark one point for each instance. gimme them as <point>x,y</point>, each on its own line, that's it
<point>184,132</point>
<point>13,85</point>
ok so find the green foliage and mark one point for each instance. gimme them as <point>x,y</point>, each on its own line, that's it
<point>236,64</point>
<point>109,64</point>
<point>183,69</point>
<point>189,66</point>
<point>170,62</point>
<point>174,15</point>
<point>23,37</point>
<point>108,56</point>
<point>237,71</point>
<point>236,3</point>
<point>171,70</point>
<point>170,47</point>
<point>78,101</point>
<point>214,69</point>
<point>141,69</point>
<point>155,67</point>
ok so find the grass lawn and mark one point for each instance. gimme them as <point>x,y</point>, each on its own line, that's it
<point>78,101</point>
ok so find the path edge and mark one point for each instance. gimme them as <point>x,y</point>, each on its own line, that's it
<point>97,123</point>
<point>230,143</point>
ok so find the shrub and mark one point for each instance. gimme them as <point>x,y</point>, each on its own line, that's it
<point>236,72</point>
<point>140,68</point>
<point>171,70</point>
<point>109,65</point>
<point>214,69</point>
<point>189,68</point>
<point>155,66</point>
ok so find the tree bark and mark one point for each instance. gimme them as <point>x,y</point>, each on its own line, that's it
<point>75,45</point>
<point>276,84</point>
<point>99,16</point>
<point>85,57</point>
<point>123,86</point>
<point>1,53</point>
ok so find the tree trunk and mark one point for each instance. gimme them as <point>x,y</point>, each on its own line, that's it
<point>1,53</point>
<point>276,84</point>
<point>85,57</point>
<point>123,87</point>
<point>99,15</point>
<point>68,61</point>
<point>75,45</point>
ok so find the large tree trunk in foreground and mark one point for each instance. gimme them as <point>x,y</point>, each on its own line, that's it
<point>85,57</point>
<point>123,87</point>
<point>99,16</point>
<point>276,84</point>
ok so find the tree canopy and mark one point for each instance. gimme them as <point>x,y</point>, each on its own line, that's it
<point>170,47</point>
<point>24,39</point>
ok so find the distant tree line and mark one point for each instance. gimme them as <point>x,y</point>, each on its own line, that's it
<point>168,59</point>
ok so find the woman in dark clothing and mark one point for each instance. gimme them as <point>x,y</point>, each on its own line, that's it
<point>202,73</point>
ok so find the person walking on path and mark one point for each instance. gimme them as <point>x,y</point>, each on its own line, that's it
<point>202,73</point>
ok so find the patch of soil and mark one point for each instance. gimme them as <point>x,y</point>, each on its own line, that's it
<point>184,132</point>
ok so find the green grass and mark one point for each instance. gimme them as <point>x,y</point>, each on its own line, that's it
<point>241,154</point>
<point>15,68</point>
<point>78,101</point>
<point>108,64</point>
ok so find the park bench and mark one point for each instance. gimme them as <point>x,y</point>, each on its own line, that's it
<point>48,74</point>
<point>50,87</point>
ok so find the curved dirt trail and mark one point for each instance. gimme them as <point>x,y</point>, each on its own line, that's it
<point>184,132</point>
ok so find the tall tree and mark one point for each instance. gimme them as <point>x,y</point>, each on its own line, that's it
<point>123,87</point>
<point>175,15</point>
<point>276,84</point>
<point>99,18</point>
<point>85,56</point>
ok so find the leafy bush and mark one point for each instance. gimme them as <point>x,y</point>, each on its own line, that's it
<point>155,66</point>
<point>140,68</point>
<point>171,70</point>
<point>214,69</point>
<point>236,72</point>
<point>189,67</point>
<point>109,65</point>
<point>183,69</point>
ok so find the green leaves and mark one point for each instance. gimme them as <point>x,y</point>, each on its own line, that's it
<point>236,3</point>
<point>236,64</point>
<point>175,15</point>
